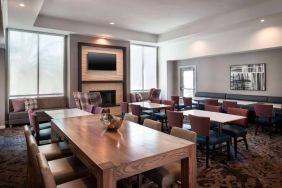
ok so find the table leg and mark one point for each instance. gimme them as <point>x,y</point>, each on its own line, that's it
<point>54,136</point>
<point>189,170</point>
<point>107,180</point>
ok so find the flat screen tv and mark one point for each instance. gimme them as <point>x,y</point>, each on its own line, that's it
<point>101,61</point>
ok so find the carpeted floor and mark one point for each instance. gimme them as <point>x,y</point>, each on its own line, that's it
<point>261,166</point>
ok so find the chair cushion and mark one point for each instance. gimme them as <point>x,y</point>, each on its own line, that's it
<point>274,100</point>
<point>44,126</point>
<point>234,130</point>
<point>215,138</point>
<point>67,169</point>
<point>165,176</point>
<point>262,121</point>
<point>55,150</point>
<point>160,115</point>
<point>148,112</point>
<point>210,95</point>
<point>18,105</point>
<point>247,97</point>
<point>86,182</point>
<point>30,104</point>
<point>45,134</point>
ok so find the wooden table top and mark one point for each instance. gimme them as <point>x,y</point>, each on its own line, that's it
<point>214,116</point>
<point>150,105</point>
<point>66,113</point>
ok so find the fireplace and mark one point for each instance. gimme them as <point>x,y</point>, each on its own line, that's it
<point>108,97</point>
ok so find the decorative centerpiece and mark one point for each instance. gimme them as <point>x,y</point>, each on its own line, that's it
<point>111,122</point>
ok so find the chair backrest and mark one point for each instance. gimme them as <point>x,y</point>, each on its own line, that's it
<point>229,104</point>
<point>187,101</point>
<point>130,117</point>
<point>46,175</point>
<point>175,98</point>
<point>27,134</point>
<point>76,99</point>
<point>124,107</point>
<point>98,110</point>
<point>33,121</point>
<point>136,110</point>
<point>212,108</point>
<point>239,112</point>
<point>201,125</point>
<point>153,124</point>
<point>183,133</point>
<point>89,108</point>
<point>263,110</point>
<point>154,93</point>
<point>171,103</point>
<point>213,102</point>
<point>175,119</point>
<point>158,101</point>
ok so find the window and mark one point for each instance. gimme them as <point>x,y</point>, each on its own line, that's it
<point>187,81</point>
<point>143,67</point>
<point>36,64</point>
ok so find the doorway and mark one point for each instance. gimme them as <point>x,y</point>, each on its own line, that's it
<point>187,81</point>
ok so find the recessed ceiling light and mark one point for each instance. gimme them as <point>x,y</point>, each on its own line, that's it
<point>112,23</point>
<point>262,20</point>
<point>21,5</point>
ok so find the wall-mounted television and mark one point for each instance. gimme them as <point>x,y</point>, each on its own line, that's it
<point>101,61</point>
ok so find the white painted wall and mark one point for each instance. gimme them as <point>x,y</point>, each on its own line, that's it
<point>248,37</point>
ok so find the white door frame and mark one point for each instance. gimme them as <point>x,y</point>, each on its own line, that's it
<point>179,75</point>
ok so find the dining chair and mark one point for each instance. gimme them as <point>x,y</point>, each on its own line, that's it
<point>175,98</point>
<point>51,151</point>
<point>168,175</point>
<point>158,101</point>
<point>237,129</point>
<point>41,125</point>
<point>43,134</point>
<point>212,108</point>
<point>98,110</point>
<point>229,104</point>
<point>124,108</point>
<point>89,108</point>
<point>188,102</point>
<point>213,102</point>
<point>156,125</point>
<point>207,137</point>
<point>137,111</point>
<point>63,169</point>
<point>48,180</point>
<point>162,115</point>
<point>264,116</point>
<point>175,119</point>
<point>131,117</point>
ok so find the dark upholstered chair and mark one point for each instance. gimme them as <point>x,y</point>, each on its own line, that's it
<point>207,137</point>
<point>63,169</point>
<point>137,111</point>
<point>158,101</point>
<point>162,115</point>
<point>213,102</point>
<point>41,125</point>
<point>188,103</point>
<point>264,116</point>
<point>175,119</point>
<point>237,129</point>
<point>89,108</point>
<point>43,134</point>
<point>168,175</point>
<point>227,104</point>
<point>51,151</point>
<point>156,125</point>
<point>48,180</point>
<point>175,98</point>
<point>124,108</point>
<point>212,108</point>
<point>131,117</point>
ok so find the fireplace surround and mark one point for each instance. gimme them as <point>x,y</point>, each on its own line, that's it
<point>108,97</point>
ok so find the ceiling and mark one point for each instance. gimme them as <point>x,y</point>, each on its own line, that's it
<point>143,20</point>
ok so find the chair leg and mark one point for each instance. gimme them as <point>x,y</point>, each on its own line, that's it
<point>228,149</point>
<point>235,146</point>
<point>256,132</point>
<point>246,143</point>
<point>207,152</point>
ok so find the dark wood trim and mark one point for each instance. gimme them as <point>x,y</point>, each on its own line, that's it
<point>80,82</point>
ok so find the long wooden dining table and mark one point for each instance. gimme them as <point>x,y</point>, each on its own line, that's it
<point>133,149</point>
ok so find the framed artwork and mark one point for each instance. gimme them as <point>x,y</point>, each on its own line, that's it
<point>250,77</point>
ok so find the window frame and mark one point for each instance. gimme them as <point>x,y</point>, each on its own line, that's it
<point>37,95</point>
<point>157,67</point>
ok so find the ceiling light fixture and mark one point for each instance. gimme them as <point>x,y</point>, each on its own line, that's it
<point>112,23</point>
<point>262,20</point>
<point>21,5</point>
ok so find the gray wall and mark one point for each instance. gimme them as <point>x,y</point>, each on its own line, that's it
<point>72,62</point>
<point>2,86</point>
<point>213,73</point>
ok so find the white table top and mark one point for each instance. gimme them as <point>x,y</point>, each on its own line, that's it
<point>200,98</point>
<point>240,102</point>
<point>66,113</point>
<point>214,116</point>
<point>150,105</point>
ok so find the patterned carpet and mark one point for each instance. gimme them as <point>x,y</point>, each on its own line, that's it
<point>261,166</point>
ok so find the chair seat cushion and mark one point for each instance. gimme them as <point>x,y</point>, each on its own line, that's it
<point>55,150</point>
<point>45,134</point>
<point>165,176</point>
<point>215,138</point>
<point>234,130</point>
<point>160,115</point>
<point>44,126</point>
<point>148,112</point>
<point>67,169</point>
<point>86,182</point>
<point>262,121</point>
